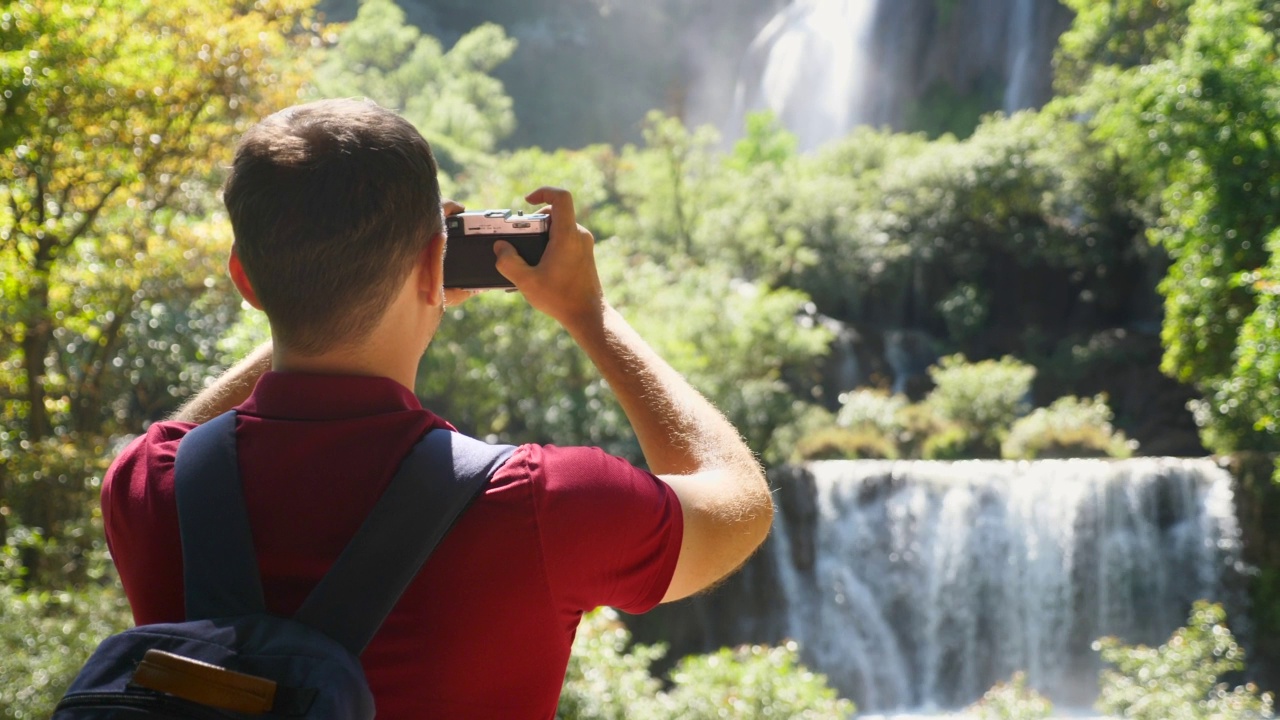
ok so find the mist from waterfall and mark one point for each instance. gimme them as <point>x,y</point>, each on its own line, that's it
<point>810,65</point>
<point>824,67</point>
<point>930,582</point>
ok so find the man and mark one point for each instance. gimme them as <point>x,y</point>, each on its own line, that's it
<point>337,218</point>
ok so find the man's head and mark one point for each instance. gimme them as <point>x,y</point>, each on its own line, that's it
<point>331,203</point>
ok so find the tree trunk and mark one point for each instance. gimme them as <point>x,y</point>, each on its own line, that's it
<point>35,348</point>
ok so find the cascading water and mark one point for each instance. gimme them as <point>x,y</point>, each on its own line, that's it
<point>930,582</point>
<point>827,66</point>
<point>810,65</point>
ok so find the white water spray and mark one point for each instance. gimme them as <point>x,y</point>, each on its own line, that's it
<point>934,581</point>
<point>825,67</point>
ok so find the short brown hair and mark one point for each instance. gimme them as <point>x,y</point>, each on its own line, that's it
<point>330,203</point>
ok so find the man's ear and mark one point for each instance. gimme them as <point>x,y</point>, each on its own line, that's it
<point>431,269</point>
<point>241,280</point>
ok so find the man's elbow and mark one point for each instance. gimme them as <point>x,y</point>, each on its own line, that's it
<point>757,521</point>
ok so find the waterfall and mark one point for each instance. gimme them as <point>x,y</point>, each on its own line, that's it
<point>930,582</point>
<point>809,65</point>
<point>826,66</point>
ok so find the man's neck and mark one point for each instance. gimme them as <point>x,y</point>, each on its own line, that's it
<point>392,348</point>
<point>350,360</point>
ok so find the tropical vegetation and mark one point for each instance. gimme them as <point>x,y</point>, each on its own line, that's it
<point>744,266</point>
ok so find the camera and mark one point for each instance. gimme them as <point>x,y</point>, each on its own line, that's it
<point>469,261</point>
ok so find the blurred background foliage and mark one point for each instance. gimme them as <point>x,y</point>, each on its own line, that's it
<point>609,679</point>
<point>1187,678</point>
<point>1040,246</point>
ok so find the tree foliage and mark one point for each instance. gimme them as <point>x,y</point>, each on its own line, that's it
<point>117,115</point>
<point>1195,117</point>
<point>450,96</point>
<point>46,636</point>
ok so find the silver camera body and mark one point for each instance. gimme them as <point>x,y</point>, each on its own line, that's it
<point>469,261</point>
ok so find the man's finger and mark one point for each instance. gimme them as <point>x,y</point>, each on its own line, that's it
<point>452,208</point>
<point>456,296</point>
<point>558,199</point>
<point>509,263</point>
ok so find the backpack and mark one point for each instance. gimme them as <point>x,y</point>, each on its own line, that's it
<point>231,659</point>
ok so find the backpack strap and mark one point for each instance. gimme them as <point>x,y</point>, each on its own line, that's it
<point>439,478</point>
<point>219,566</point>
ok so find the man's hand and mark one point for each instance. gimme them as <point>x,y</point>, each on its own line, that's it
<point>564,284</point>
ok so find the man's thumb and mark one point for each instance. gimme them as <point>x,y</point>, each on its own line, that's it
<point>509,263</point>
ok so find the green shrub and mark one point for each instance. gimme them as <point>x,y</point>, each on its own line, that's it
<point>609,679</point>
<point>918,424</point>
<point>952,443</point>
<point>751,683</point>
<point>984,397</point>
<point>871,408</point>
<point>784,443</point>
<point>1011,701</point>
<point>1070,427</point>
<point>1182,679</point>
<point>837,443</point>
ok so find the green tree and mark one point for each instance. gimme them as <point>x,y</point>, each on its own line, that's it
<point>1117,33</point>
<point>46,637</point>
<point>117,115</point>
<point>954,236</point>
<point>1070,427</point>
<point>449,96</point>
<point>766,143</point>
<point>498,367</point>
<point>1197,123</point>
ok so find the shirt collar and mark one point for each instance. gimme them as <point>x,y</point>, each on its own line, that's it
<point>309,396</point>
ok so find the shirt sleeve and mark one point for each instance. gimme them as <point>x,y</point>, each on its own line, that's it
<point>140,519</point>
<point>610,531</point>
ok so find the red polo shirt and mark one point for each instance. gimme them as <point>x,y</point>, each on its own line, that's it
<point>485,629</point>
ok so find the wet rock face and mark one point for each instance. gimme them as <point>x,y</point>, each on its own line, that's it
<point>796,496</point>
<point>1258,506</point>
<point>750,606</point>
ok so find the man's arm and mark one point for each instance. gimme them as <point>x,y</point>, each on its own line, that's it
<point>723,493</point>
<point>229,390</point>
